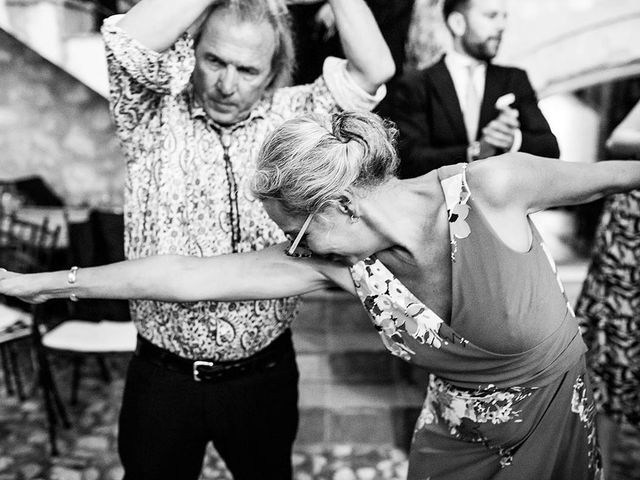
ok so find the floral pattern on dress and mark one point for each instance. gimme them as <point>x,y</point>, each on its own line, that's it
<point>583,405</point>
<point>394,310</point>
<point>458,211</point>
<point>462,410</point>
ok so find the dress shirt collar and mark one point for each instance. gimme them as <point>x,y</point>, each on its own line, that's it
<point>455,60</point>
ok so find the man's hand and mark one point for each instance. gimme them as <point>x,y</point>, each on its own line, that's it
<point>500,133</point>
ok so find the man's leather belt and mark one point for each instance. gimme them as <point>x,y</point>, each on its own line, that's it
<point>208,370</point>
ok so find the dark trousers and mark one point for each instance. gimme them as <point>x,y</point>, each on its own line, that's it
<point>167,419</point>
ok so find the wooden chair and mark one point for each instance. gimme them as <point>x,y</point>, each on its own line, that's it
<point>15,325</point>
<point>28,247</point>
<point>94,328</point>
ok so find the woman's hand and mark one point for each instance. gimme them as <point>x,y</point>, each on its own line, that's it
<point>19,285</point>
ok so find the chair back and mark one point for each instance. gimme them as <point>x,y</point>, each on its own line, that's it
<point>26,247</point>
<point>35,191</point>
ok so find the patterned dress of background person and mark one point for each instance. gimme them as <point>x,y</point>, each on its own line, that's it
<point>609,304</point>
<point>515,402</point>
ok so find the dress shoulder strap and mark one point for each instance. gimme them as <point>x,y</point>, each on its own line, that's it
<point>453,179</point>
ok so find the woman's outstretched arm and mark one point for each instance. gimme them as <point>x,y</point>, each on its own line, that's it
<point>529,184</point>
<point>268,273</point>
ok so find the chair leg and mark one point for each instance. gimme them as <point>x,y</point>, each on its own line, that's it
<point>55,395</point>
<point>56,413</point>
<point>6,370</point>
<point>54,408</point>
<point>75,379</point>
<point>33,368</point>
<point>44,376</point>
<point>15,368</point>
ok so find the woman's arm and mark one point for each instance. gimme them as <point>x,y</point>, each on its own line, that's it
<point>268,273</point>
<point>625,139</point>
<point>529,184</point>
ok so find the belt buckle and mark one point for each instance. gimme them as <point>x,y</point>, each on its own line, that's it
<point>200,363</point>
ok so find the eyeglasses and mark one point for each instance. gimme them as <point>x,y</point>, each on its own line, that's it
<point>291,250</point>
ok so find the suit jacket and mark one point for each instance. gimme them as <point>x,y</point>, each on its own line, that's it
<point>426,109</point>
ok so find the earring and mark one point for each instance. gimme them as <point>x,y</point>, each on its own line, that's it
<point>354,219</point>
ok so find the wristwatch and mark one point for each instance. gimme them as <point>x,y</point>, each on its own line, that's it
<point>473,151</point>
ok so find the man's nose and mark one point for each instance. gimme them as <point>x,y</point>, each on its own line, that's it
<point>228,81</point>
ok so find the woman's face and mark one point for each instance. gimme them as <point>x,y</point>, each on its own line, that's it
<point>331,234</point>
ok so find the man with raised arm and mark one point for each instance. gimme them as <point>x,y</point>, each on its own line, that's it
<point>196,85</point>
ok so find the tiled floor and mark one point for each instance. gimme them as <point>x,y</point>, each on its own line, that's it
<point>88,449</point>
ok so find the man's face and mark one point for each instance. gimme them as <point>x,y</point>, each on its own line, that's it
<point>485,22</point>
<point>233,66</point>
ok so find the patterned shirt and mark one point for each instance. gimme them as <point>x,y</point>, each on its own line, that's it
<point>187,189</point>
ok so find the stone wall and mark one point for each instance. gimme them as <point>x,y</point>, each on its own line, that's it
<point>54,126</point>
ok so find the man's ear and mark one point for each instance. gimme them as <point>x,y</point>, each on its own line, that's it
<point>457,24</point>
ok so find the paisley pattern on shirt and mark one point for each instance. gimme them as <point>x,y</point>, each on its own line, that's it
<point>177,198</point>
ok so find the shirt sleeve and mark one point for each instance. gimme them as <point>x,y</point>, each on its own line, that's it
<point>344,89</point>
<point>129,61</point>
<point>333,90</point>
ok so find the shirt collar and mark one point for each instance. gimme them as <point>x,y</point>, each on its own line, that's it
<point>259,110</point>
<point>458,60</point>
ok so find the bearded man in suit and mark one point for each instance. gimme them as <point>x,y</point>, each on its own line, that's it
<point>463,107</point>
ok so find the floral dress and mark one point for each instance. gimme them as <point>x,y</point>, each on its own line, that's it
<point>508,396</point>
<point>609,310</point>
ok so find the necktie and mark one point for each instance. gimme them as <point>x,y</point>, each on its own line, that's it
<point>472,106</point>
